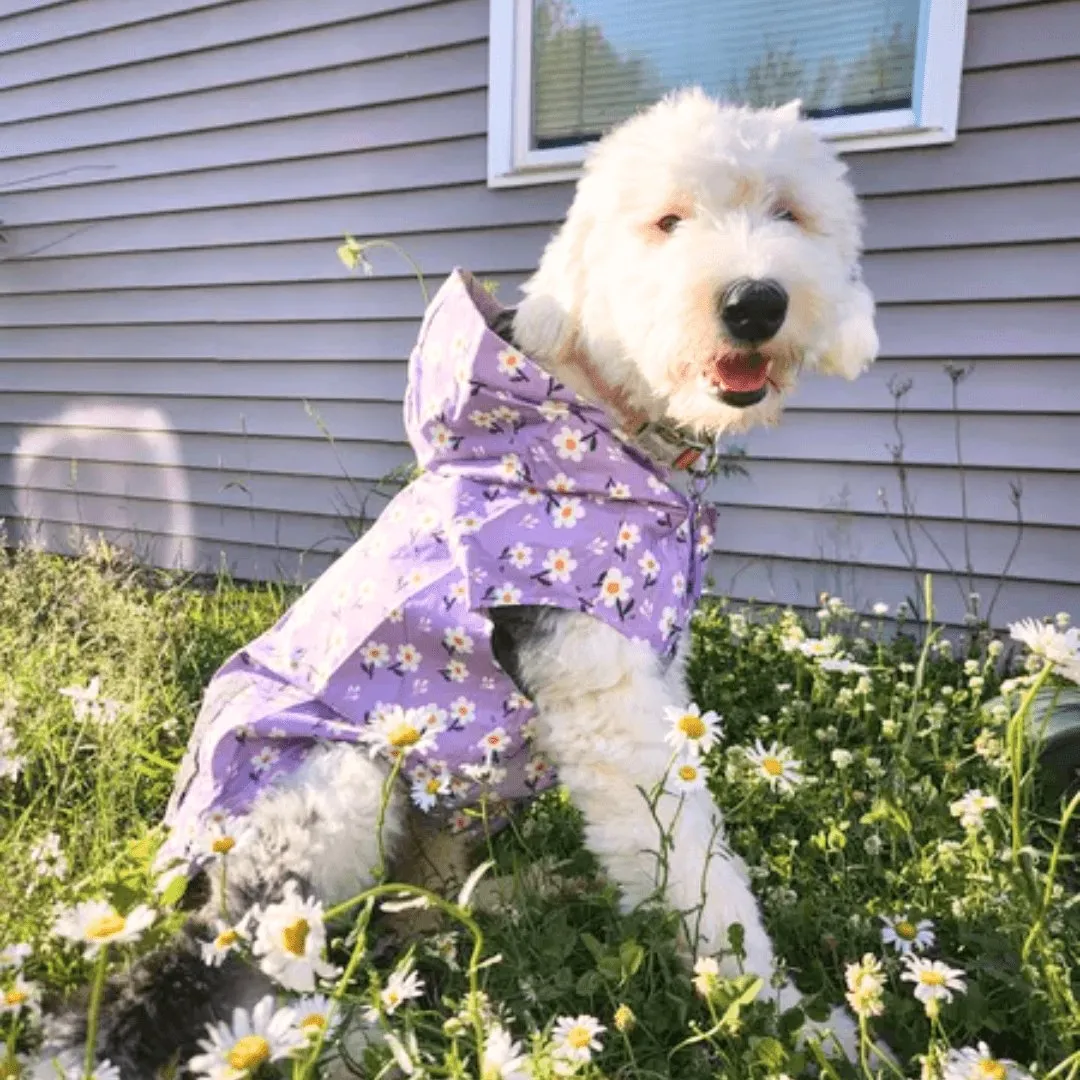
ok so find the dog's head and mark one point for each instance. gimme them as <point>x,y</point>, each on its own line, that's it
<point>710,253</point>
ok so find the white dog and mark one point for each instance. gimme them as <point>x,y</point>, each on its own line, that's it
<point>710,254</point>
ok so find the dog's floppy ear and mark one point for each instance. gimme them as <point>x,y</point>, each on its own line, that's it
<point>854,346</point>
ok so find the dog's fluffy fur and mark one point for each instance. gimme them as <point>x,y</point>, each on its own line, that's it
<point>626,311</point>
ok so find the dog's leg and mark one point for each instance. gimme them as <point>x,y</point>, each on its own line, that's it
<point>318,829</point>
<point>600,701</point>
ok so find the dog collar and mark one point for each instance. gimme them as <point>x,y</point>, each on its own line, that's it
<point>667,444</point>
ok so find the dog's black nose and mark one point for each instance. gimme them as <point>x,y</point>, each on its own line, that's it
<point>752,310</point>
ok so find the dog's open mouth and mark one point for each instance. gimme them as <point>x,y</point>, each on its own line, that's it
<point>740,379</point>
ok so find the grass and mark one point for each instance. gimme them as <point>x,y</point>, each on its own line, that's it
<point>869,829</point>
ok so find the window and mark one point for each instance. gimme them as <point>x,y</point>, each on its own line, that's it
<point>873,74</point>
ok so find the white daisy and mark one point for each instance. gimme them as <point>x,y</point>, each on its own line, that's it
<point>649,564</point>
<point>629,536</point>
<point>536,769</point>
<point>906,936</point>
<point>96,924</point>
<point>290,940</point>
<point>503,1059</point>
<point>691,730</point>
<point>569,443</point>
<point>553,410</point>
<point>403,985</point>
<point>1044,639</point>
<point>619,490</point>
<point>484,420</point>
<point>567,513</point>
<point>562,484</point>
<point>397,731</point>
<point>458,640</point>
<point>237,1050</point>
<point>18,995</point>
<point>456,670</point>
<point>426,790</point>
<point>818,648</point>
<point>520,555</point>
<point>495,741</point>
<point>507,594</point>
<point>678,584</point>
<point>615,587</point>
<point>510,361</point>
<point>315,1014</point>
<point>462,711</point>
<point>560,564</point>
<point>978,1063</point>
<point>933,980</point>
<point>262,759</point>
<point>776,766</point>
<point>576,1038</point>
<point>226,939</point>
<point>408,657</point>
<point>221,834</point>
<point>375,654</point>
<point>688,775</point>
<point>510,467</point>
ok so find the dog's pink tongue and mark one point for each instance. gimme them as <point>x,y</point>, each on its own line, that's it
<point>739,371</point>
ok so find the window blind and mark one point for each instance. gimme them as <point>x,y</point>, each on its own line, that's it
<point>597,61</point>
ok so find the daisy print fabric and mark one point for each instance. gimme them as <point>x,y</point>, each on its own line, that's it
<point>527,497</point>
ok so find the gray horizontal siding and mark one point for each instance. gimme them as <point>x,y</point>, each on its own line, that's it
<point>181,173</point>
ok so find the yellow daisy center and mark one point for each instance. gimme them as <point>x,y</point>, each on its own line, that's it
<point>16,997</point>
<point>249,1053</point>
<point>226,939</point>
<point>433,785</point>
<point>773,766</point>
<point>223,845</point>
<point>295,935</point>
<point>688,773</point>
<point>393,998</point>
<point>570,444</point>
<point>693,727</point>
<point>402,735</point>
<point>613,587</point>
<point>579,1037</point>
<point>313,1022</point>
<point>105,927</point>
<point>906,930</point>
<point>991,1069</point>
<point>931,978</point>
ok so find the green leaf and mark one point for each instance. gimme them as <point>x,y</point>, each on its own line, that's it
<point>631,957</point>
<point>174,891</point>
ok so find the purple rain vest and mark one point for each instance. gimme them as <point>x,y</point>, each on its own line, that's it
<point>527,497</point>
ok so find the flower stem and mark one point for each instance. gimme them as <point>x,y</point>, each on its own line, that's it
<point>97,988</point>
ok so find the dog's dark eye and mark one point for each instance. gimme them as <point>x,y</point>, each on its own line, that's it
<point>785,213</point>
<point>668,223</point>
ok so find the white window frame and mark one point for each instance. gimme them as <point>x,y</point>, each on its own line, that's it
<point>931,119</point>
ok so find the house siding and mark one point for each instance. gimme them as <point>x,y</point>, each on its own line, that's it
<point>184,362</point>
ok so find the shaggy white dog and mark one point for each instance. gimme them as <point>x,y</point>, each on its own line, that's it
<point>711,253</point>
